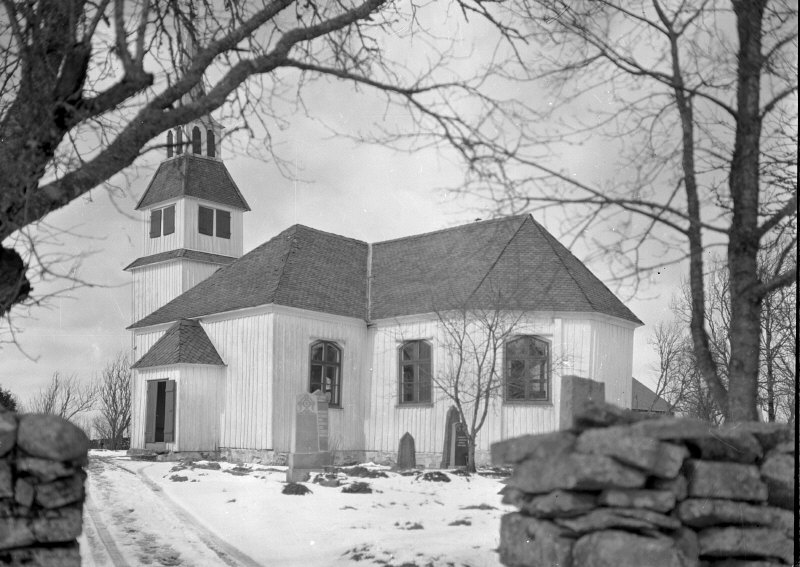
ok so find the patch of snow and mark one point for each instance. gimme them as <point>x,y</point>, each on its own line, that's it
<point>405,520</point>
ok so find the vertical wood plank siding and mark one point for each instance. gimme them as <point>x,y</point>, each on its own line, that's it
<point>197,411</point>
<point>142,341</point>
<point>195,272</point>
<point>193,240</point>
<point>163,243</point>
<point>154,286</point>
<point>197,385</point>
<point>294,333</point>
<point>242,343</point>
<point>589,348</point>
<point>388,420</point>
<point>139,411</point>
<point>613,360</point>
<point>186,234</point>
<point>267,358</point>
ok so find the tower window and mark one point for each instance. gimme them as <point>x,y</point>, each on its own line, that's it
<point>170,142</point>
<point>179,143</point>
<point>162,221</point>
<point>212,144</point>
<point>208,219</point>
<point>223,224</point>
<point>205,221</point>
<point>197,143</point>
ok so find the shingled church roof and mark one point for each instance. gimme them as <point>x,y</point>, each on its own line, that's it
<point>509,263</point>
<point>184,343</point>
<point>301,267</point>
<point>193,176</point>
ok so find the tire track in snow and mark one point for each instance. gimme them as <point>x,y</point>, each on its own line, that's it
<point>227,553</point>
<point>111,549</point>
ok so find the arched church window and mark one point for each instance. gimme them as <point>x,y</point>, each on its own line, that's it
<point>325,372</point>
<point>527,369</point>
<point>179,143</point>
<point>197,142</point>
<point>170,142</point>
<point>211,142</point>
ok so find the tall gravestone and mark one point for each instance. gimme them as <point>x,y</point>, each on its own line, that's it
<point>406,453</point>
<point>460,446</point>
<point>309,437</point>
<point>575,393</point>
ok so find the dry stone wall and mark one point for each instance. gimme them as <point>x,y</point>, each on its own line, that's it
<point>621,489</point>
<point>41,490</point>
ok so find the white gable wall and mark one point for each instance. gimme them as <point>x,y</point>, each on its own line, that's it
<point>192,238</point>
<point>244,342</point>
<point>163,243</point>
<point>612,359</point>
<point>388,420</point>
<point>266,352</point>
<point>155,285</point>
<point>295,331</point>
<point>186,233</point>
<point>600,349</point>
<point>142,342</point>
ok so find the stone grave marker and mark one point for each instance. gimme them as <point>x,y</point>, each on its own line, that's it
<point>575,393</point>
<point>461,452</point>
<point>406,454</point>
<point>309,437</point>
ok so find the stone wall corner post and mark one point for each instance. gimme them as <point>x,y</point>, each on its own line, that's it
<point>42,460</point>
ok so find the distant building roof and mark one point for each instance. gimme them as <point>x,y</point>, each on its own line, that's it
<point>645,399</point>
<point>180,253</point>
<point>193,176</point>
<point>509,263</point>
<point>184,343</point>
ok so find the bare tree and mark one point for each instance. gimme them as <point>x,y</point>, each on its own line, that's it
<point>471,376</point>
<point>699,101</point>
<point>668,340</point>
<point>64,396</point>
<point>114,401</point>
<point>679,381</point>
<point>778,352</point>
<point>88,86</point>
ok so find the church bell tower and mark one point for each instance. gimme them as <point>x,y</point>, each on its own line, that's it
<point>191,216</point>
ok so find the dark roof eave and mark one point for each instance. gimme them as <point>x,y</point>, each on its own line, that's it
<point>181,253</point>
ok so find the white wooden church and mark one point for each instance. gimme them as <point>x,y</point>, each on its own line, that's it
<point>225,341</point>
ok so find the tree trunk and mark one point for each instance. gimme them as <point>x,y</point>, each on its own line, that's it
<point>768,355</point>
<point>744,237</point>
<point>471,454</point>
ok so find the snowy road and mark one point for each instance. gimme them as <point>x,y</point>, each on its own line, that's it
<point>130,521</point>
<point>222,514</point>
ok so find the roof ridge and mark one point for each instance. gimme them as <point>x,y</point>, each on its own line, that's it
<point>183,338</point>
<point>327,233</point>
<point>149,184</point>
<point>556,250</point>
<point>235,187</point>
<point>284,258</point>
<point>459,226</point>
<point>496,260</point>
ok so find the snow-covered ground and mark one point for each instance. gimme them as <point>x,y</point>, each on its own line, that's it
<point>154,513</point>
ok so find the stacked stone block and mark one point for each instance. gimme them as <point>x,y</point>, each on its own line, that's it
<point>41,490</point>
<point>623,489</point>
